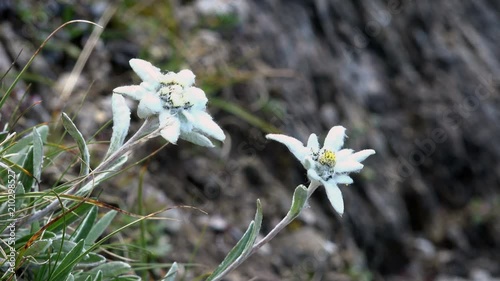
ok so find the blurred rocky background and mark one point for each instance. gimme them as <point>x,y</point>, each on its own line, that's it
<point>418,81</point>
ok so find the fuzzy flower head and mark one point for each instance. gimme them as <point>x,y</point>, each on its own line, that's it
<point>329,165</point>
<point>181,107</point>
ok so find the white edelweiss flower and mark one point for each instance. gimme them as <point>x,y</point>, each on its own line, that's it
<point>329,165</point>
<point>181,107</point>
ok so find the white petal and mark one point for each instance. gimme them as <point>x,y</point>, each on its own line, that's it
<point>185,78</point>
<point>136,92</point>
<point>165,118</point>
<point>313,142</point>
<point>197,97</point>
<point>335,138</point>
<point>146,70</point>
<point>309,163</point>
<point>343,154</point>
<point>187,123</point>
<point>294,145</point>
<point>362,155</point>
<point>207,126</point>
<point>151,87</point>
<point>343,179</point>
<point>171,129</point>
<point>196,138</point>
<point>150,104</point>
<point>348,166</point>
<point>335,196</point>
<point>313,175</point>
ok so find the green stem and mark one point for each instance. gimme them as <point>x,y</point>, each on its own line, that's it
<point>279,227</point>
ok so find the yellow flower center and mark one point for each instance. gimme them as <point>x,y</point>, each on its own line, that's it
<point>327,158</point>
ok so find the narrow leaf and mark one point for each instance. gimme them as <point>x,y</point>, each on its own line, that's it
<point>172,273</point>
<point>37,156</point>
<point>91,260</point>
<point>121,123</point>
<point>63,245</point>
<point>99,228</point>
<point>86,225</point>
<point>112,269</point>
<point>235,253</point>
<point>80,141</point>
<point>20,145</point>
<point>89,278</point>
<point>68,263</point>
<point>19,193</point>
<point>127,278</point>
<point>98,276</point>
<point>37,247</point>
<point>255,231</point>
<point>26,176</point>
<point>298,201</point>
<point>69,218</point>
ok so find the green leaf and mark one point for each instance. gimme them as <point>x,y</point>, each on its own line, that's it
<point>258,216</point>
<point>255,231</point>
<point>21,153</point>
<point>244,247</point>
<point>98,276</point>
<point>37,247</point>
<point>298,201</point>
<point>235,253</point>
<point>85,276</point>
<point>63,270</point>
<point>99,228</point>
<point>26,177</point>
<point>127,278</point>
<point>172,273</point>
<point>3,135</point>
<point>91,260</point>
<point>112,269</point>
<point>37,155</point>
<point>19,193</point>
<point>69,218</point>
<point>80,141</point>
<point>70,277</point>
<point>121,123</point>
<point>89,278</point>
<point>26,141</point>
<point>63,245</point>
<point>86,225</point>
<point>23,239</point>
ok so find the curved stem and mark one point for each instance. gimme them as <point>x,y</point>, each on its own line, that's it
<point>279,227</point>
<point>283,223</point>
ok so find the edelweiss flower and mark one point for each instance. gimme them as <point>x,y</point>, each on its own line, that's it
<point>181,108</point>
<point>329,165</point>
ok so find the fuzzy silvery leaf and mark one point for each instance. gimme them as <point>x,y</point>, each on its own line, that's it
<point>121,123</point>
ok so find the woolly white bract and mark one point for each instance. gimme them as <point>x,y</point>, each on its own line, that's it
<point>329,165</point>
<point>181,107</point>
